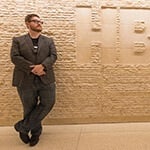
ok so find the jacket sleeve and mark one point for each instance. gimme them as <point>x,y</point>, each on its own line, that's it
<point>50,60</point>
<point>19,61</point>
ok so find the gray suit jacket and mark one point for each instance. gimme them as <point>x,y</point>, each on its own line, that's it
<point>22,56</point>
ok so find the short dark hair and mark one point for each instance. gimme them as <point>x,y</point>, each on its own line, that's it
<point>29,17</point>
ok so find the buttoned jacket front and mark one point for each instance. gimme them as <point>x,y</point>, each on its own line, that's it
<point>23,56</point>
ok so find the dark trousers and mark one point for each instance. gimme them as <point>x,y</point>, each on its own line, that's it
<point>37,100</point>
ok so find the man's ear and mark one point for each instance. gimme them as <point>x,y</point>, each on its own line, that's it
<point>27,24</point>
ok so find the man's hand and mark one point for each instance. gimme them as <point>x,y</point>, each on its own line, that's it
<point>38,70</point>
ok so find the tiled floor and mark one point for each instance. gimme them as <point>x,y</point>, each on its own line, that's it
<point>123,136</point>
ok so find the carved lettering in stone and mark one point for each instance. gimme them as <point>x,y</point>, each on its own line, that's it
<point>148,37</point>
<point>96,52</point>
<point>139,26</point>
<point>139,47</point>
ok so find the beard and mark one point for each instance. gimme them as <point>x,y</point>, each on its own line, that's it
<point>36,29</point>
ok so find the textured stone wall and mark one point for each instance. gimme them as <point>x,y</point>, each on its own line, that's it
<point>103,66</point>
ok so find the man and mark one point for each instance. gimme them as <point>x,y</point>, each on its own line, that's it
<point>33,55</point>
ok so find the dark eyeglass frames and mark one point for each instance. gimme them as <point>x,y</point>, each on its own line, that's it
<point>36,21</point>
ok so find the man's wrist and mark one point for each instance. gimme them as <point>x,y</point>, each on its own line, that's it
<point>44,67</point>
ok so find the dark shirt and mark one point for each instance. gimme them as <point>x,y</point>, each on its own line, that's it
<point>35,44</point>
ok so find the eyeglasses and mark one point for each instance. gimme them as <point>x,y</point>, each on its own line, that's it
<point>36,21</point>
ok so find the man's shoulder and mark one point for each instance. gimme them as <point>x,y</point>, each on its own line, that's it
<point>20,37</point>
<point>46,37</point>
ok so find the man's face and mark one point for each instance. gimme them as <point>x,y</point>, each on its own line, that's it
<point>35,24</point>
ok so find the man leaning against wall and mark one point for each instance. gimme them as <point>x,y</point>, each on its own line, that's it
<point>33,56</point>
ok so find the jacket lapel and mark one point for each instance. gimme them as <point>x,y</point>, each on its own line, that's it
<point>40,43</point>
<point>29,42</point>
